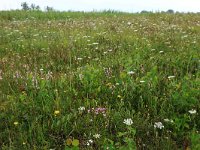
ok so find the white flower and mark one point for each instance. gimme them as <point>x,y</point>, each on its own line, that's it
<point>105,52</point>
<point>82,108</point>
<point>158,125</point>
<point>97,136</point>
<point>131,72</point>
<point>168,120</point>
<point>95,43</point>
<point>193,111</point>
<point>117,83</point>
<point>129,23</point>
<point>79,58</point>
<point>89,142</point>
<point>170,77</point>
<point>128,121</point>
<point>142,81</point>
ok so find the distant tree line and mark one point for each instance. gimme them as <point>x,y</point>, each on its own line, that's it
<point>25,6</point>
<point>170,11</point>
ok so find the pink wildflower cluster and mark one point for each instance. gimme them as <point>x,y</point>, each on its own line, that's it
<point>98,110</point>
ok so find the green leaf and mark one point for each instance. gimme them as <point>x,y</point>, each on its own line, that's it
<point>122,75</point>
<point>75,142</point>
<point>120,134</point>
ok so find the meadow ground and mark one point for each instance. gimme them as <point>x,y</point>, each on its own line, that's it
<point>99,80</point>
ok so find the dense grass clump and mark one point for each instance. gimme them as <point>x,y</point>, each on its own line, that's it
<point>99,80</point>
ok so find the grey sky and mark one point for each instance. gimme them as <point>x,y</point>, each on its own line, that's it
<point>122,5</point>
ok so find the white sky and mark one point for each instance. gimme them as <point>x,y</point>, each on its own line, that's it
<point>122,5</point>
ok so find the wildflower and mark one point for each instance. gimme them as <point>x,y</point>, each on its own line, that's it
<point>158,125</point>
<point>105,52</point>
<point>16,123</point>
<point>170,77</point>
<point>109,84</point>
<point>128,121</point>
<point>131,72</point>
<point>168,120</point>
<point>142,81</point>
<point>89,142</point>
<point>99,110</point>
<point>129,23</point>
<point>82,108</point>
<point>79,58</point>
<point>119,96</point>
<point>161,52</point>
<point>56,112</point>
<point>192,111</point>
<point>97,136</point>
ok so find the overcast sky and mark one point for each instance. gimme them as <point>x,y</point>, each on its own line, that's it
<point>122,5</point>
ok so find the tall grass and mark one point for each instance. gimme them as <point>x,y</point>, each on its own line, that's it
<point>75,80</point>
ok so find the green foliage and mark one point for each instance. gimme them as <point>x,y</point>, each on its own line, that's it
<point>99,80</point>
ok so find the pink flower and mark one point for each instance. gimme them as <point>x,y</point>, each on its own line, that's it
<point>98,110</point>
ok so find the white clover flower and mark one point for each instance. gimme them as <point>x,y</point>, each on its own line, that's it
<point>128,121</point>
<point>158,125</point>
<point>97,136</point>
<point>131,72</point>
<point>192,111</point>
<point>82,108</point>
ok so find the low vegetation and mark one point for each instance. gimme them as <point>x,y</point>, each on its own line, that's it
<point>104,80</point>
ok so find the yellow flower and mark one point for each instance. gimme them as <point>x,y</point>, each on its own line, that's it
<point>119,96</point>
<point>109,84</point>
<point>16,123</point>
<point>56,112</point>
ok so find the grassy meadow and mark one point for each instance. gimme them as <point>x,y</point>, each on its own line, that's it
<point>109,80</point>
